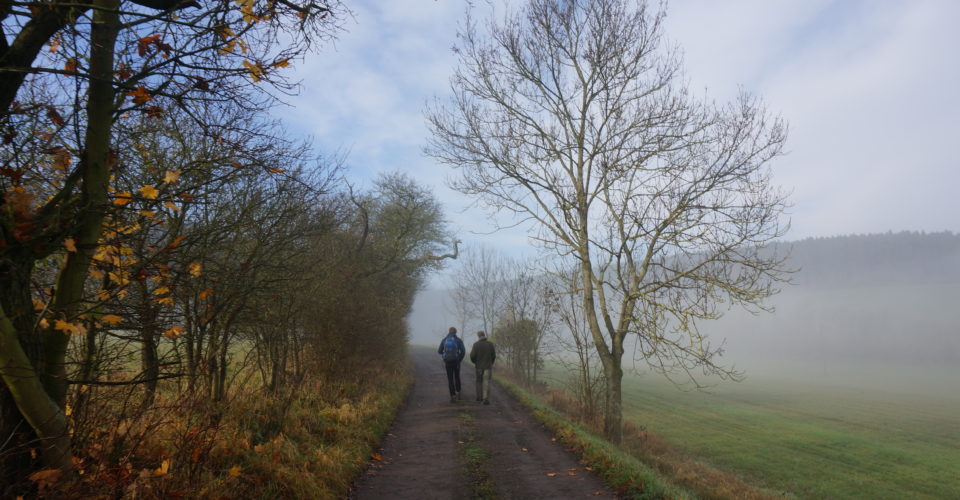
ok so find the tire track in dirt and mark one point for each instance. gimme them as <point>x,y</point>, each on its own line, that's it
<point>423,455</point>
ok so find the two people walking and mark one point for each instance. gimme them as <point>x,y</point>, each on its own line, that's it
<point>483,355</point>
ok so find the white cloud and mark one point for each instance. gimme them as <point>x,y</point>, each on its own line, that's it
<point>867,87</point>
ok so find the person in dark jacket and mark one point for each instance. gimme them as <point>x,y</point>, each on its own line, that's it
<point>483,355</point>
<point>453,352</point>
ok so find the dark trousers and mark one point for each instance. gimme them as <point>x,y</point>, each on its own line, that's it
<point>453,376</point>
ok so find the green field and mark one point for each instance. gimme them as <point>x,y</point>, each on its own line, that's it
<point>809,441</point>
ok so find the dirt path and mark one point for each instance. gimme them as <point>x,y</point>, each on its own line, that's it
<point>443,450</point>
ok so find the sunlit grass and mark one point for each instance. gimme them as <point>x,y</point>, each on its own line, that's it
<point>246,446</point>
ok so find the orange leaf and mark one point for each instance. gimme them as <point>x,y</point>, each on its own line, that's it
<point>54,45</point>
<point>71,65</point>
<point>206,293</point>
<point>161,290</point>
<point>149,191</point>
<point>551,474</point>
<point>166,301</point>
<point>171,205</point>
<point>195,269</point>
<point>171,176</point>
<point>122,198</point>
<point>111,319</point>
<point>70,245</point>
<point>69,328</point>
<point>173,332</point>
<point>140,95</point>
<point>45,478</point>
<point>176,242</point>
<point>282,63</point>
<point>378,457</point>
<point>234,471</point>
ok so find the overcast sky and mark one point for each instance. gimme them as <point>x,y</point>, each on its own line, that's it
<point>869,89</point>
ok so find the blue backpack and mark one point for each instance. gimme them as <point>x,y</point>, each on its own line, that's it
<point>451,351</point>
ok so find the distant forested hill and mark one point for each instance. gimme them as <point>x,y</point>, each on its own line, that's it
<point>876,260</point>
<point>884,298</point>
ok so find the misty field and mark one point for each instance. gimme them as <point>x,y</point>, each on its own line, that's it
<point>811,441</point>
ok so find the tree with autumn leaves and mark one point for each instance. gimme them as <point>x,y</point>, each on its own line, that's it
<point>72,76</point>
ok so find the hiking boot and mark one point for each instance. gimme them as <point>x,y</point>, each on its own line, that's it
<point>486,401</point>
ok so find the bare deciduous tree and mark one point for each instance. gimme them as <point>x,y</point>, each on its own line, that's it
<point>574,115</point>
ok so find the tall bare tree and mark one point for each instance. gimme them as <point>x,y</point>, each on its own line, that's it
<point>574,115</point>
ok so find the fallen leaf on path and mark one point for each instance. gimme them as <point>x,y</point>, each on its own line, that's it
<point>571,473</point>
<point>377,457</point>
<point>597,493</point>
<point>551,474</point>
<point>523,449</point>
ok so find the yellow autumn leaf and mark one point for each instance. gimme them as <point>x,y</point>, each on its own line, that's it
<point>234,471</point>
<point>70,244</point>
<point>161,290</point>
<point>166,301</point>
<point>163,469</point>
<point>38,304</point>
<point>44,323</point>
<point>111,319</point>
<point>206,293</point>
<point>171,205</point>
<point>171,176</point>
<point>96,273</point>
<point>255,70</point>
<point>119,278</point>
<point>150,214</point>
<point>149,191</point>
<point>282,63</point>
<point>103,295</point>
<point>195,269</point>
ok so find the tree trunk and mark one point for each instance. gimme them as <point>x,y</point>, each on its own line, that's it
<point>40,411</point>
<point>95,172</point>
<point>150,363</point>
<point>613,413</point>
<point>16,435</point>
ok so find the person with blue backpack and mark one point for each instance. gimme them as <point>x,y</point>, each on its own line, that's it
<point>452,351</point>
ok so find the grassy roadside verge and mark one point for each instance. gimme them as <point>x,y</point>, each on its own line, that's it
<point>622,472</point>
